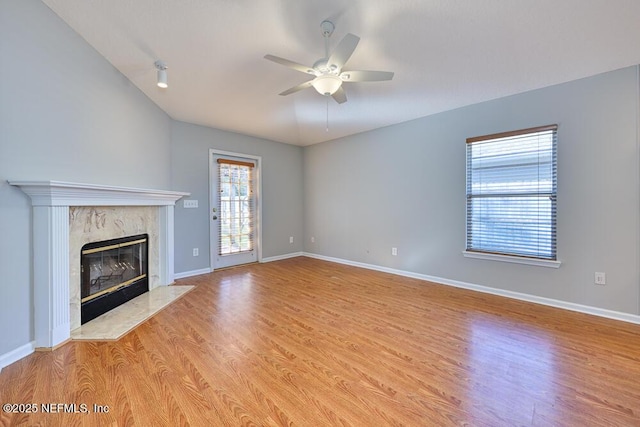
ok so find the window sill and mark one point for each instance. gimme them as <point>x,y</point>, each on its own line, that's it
<point>513,259</point>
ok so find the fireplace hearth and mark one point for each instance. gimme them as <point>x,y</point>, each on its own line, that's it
<point>112,272</point>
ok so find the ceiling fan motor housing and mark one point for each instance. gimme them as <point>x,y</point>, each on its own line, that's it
<point>322,67</point>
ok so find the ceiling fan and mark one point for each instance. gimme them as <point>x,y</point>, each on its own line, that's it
<point>328,71</point>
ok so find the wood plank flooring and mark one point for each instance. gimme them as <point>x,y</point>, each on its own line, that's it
<point>303,342</point>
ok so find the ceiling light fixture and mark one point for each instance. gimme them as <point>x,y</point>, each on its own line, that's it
<point>161,66</point>
<point>327,84</point>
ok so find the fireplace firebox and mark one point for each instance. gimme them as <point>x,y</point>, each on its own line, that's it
<point>112,273</point>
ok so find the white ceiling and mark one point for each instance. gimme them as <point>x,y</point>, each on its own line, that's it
<point>445,54</point>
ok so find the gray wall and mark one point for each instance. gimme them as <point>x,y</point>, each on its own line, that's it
<point>282,209</point>
<point>404,186</point>
<point>65,114</point>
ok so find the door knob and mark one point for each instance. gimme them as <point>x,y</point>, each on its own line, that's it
<point>215,217</point>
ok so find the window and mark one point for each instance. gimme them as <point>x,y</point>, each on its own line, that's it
<point>235,204</point>
<point>511,194</point>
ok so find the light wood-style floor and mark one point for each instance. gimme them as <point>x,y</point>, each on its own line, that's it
<point>310,343</point>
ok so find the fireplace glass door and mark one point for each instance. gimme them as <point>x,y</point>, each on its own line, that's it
<point>109,267</point>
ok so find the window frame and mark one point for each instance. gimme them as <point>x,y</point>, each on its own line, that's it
<point>234,179</point>
<point>506,255</point>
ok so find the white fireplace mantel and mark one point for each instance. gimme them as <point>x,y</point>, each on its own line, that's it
<point>60,193</point>
<point>51,201</point>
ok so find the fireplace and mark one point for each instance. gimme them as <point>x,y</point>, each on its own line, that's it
<point>67,215</point>
<point>112,273</point>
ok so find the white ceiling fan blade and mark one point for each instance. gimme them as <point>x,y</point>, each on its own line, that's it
<point>343,51</point>
<point>366,76</point>
<point>291,64</point>
<point>340,96</point>
<point>297,88</point>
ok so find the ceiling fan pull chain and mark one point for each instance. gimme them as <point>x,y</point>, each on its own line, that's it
<point>327,129</point>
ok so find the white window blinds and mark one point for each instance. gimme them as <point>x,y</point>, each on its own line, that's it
<point>511,193</point>
<point>236,206</point>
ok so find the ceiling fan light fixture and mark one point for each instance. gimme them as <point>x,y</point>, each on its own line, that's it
<point>162,74</point>
<point>327,84</point>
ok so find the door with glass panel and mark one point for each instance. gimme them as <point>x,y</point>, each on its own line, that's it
<point>233,211</point>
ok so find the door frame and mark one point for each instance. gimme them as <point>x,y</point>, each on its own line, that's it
<point>213,174</point>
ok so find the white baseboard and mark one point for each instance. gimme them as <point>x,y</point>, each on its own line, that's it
<point>281,257</point>
<point>595,311</point>
<point>17,354</point>
<point>191,273</point>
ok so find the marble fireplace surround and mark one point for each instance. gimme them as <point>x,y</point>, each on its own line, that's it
<point>67,215</point>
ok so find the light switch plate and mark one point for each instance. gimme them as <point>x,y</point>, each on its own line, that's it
<point>190,203</point>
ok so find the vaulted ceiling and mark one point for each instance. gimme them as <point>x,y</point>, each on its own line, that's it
<point>445,54</point>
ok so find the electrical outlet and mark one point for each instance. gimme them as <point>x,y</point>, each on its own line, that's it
<point>313,239</point>
<point>290,239</point>
<point>600,278</point>
<point>196,252</point>
<point>394,251</point>
<point>190,204</point>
